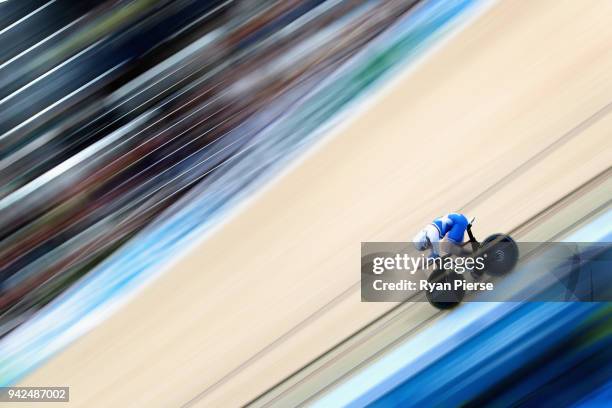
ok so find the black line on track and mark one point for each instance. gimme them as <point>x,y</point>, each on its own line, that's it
<point>570,134</point>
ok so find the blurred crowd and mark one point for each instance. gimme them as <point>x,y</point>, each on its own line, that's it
<point>111,111</point>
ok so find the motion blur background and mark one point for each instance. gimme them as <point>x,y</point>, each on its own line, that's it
<point>184,186</point>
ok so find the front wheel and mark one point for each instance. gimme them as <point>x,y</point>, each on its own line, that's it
<point>500,254</point>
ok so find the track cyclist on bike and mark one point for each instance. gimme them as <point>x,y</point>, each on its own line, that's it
<point>452,226</point>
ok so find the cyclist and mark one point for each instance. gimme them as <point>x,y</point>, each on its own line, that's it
<point>451,226</point>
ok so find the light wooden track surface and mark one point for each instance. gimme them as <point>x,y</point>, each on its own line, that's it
<point>502,120</point>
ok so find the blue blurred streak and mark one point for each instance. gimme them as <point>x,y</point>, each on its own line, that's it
<point>484,354</point>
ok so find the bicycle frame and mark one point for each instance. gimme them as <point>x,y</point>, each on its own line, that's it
<point>472,240</point>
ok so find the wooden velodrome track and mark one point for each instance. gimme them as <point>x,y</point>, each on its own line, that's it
<point>500,121</point>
